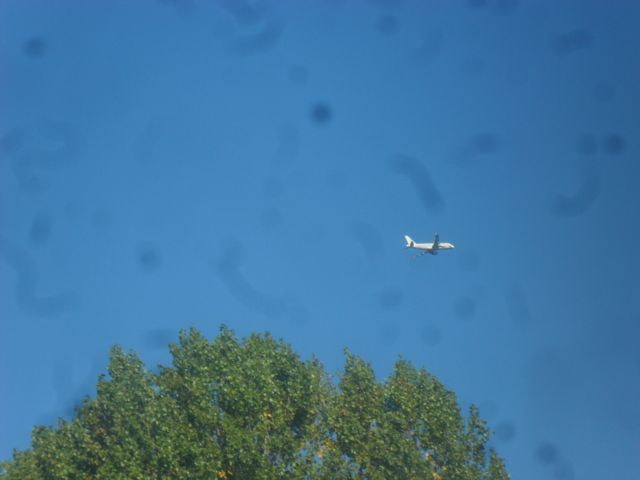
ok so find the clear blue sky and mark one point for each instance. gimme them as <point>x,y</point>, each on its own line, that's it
<point>187,162</point>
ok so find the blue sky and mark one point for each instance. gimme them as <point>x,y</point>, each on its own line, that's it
<point>189,162</point>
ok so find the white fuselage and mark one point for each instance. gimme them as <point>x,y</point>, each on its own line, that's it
<point>429,246</point>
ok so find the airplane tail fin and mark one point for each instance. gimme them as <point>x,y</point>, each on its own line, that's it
<point>410,242</point>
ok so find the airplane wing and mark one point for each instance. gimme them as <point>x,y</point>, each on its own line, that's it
<point>436,241</point>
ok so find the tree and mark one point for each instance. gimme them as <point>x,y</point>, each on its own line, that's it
<point>252,409</point>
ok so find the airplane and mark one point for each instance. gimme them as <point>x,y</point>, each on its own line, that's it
<point>431,248</point>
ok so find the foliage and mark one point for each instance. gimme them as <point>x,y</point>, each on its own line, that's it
<point>254,410</point>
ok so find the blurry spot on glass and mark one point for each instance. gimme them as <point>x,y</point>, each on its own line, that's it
<point>430,335</point>
<point>430,47</point>
<point>159,338</point>
<point>616,338</point>
<point>506,6</point>
<point>26,281</point>
<point>387,4</point>
<point>469,261</point>
<point>368,237</point>
<point>517,305</point>
<point>145,145</point>
<point>335,3</point>
<point>505,432</point>
<point>582,200</point>
<point>163,140</point>
<point>181,6</point>
<point>387,24</point>
<point>484,143</point>
<point>259,42</point>
<point>552,376</point>
<point>489,409</point>
<point>62,377</point>
<point>271,218</point>
<point>232,256</point>
<point>389,298</point>
<point>547,453</point>
<point>72,393</point>
<point>480,144</point>
<point>421,180</point>
<point>613,144</point>
<point>245,13</point>
<point>228,268</point>
<point>149,257</point>
<point>563,471</point>
<point>287,148</point>
<point>321,113</point>
<point>40,230</point>
<point>464,308</point>
<point>499,6</point>
<point>572,41</point>
<point>35,47</point>
<point>36,149</point>
<point>389,333</point>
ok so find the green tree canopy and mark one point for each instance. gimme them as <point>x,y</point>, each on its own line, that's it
<point>252,409</point>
